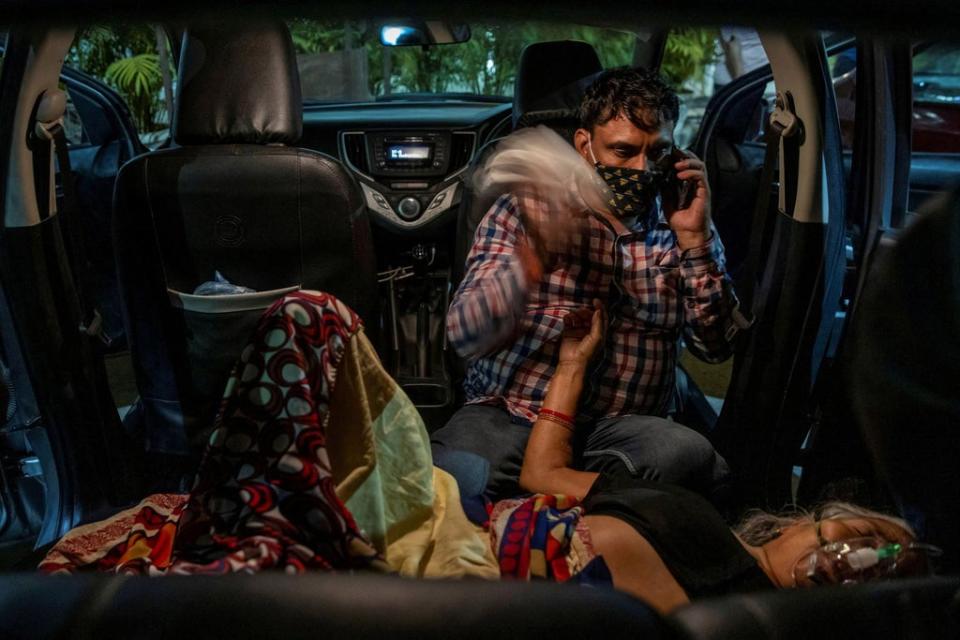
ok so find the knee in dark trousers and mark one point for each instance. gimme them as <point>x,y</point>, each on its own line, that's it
<point>487,432</point>
<point>654,448</point>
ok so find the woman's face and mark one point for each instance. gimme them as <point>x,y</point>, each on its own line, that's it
<point>799,542</point>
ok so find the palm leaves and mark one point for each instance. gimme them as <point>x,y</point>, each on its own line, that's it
<point>140,81</point>
<point>138,75</point>
<point>125,57</point>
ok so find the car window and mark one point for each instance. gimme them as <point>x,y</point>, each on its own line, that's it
<point>136,62</point>
<point>843,72</point>
<point>936,95</point>
<point>936,98</point>
<point>699,62</point>
<point>345,62</point>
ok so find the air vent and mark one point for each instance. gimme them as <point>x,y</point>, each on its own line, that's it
<point>355,149</point>
<point>461,150</point>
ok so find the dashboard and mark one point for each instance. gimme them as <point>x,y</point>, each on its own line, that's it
<point>409,157</point>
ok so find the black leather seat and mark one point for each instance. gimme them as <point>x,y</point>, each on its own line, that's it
<point>273,605</point>
<point>235,197</point>
<point>904,373</point>
<point>918,609</point>
<point>551,79</point>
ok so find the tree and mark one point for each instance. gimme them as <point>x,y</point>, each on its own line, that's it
<point>687,54</point>
<point>139,79</point>
<point>126,58</point>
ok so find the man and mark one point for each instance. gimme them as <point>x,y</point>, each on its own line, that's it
<point>658,273</point>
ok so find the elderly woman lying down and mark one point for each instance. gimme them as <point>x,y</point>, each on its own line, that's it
<point>318,461</point>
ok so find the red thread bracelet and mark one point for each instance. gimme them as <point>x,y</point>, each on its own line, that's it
<point>557,414</point>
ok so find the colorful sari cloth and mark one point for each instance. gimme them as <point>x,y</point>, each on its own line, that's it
<point>541,537</point>
<point>312,432</point>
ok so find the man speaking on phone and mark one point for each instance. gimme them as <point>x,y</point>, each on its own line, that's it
<point>653,259</point>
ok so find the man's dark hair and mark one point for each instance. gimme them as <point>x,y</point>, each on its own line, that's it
<point>640,95</point>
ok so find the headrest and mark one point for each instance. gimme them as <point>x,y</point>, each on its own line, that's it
<point>551,80</point>
<point>904,367</point>
<point>238,84</point>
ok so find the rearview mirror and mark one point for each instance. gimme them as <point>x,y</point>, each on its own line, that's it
<point>423,33</point>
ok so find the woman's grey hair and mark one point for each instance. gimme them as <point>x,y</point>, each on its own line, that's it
<point>759,527</point>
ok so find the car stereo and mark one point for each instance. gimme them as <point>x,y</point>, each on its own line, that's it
<point>420,154</point>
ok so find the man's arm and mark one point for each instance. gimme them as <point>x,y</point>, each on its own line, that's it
<point>710,306</point>
<point>489,303</point>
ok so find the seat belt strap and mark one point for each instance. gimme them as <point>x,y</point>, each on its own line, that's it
<point>783,126</point>
<point>49,133</point>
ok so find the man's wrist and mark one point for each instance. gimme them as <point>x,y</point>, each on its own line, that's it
<point>692,239</point>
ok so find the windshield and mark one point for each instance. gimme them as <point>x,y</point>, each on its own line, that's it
<point>345,62</point>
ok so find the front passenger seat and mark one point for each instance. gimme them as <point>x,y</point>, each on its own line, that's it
<point>234,198</point>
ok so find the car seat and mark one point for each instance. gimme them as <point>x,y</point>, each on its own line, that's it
<point>916,608</point>
<point>234,199</point>
<point>904,372</point>
<point>341,606</point>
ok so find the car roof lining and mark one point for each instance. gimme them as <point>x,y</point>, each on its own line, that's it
<point>927,16</point>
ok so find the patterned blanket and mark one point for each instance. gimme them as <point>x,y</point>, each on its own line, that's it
<point>540,537</point>
<point>317,461</point>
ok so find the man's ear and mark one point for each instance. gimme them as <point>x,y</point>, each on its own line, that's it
<point>581,142</point>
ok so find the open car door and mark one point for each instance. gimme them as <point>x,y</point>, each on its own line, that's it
<point>65,456</point>
<point>791,266</point>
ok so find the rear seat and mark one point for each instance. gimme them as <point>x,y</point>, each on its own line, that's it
<point>922,608</point>
<point>377,607</point>
<point>312,607</point>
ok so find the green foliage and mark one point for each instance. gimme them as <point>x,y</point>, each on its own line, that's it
<point>308,38</point>
<point>140,80</point>
<point>687,52</point>
<point>138,75</point>
<point>125,57</point>
<point>485,65</point>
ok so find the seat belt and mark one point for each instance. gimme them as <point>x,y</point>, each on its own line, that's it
<point>782,126</point>
<point>49,132</point>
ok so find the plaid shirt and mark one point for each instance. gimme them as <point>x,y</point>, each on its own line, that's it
<point>654,294</point>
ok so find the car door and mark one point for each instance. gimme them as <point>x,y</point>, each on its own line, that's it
<point>64,456</point>
<point>791,257</point>
<point>908,154</point>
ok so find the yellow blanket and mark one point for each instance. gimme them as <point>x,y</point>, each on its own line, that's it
<point>380,457</point>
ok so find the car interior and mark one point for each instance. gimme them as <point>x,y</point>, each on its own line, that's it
<point>274,164</point>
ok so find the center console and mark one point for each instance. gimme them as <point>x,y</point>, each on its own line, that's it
<point>409,179</point>
<point>412,182</point>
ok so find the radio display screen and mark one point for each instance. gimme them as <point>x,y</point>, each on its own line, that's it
<point>406,151</point>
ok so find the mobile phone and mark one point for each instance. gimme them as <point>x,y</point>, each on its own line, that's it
<point>674,192</point>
